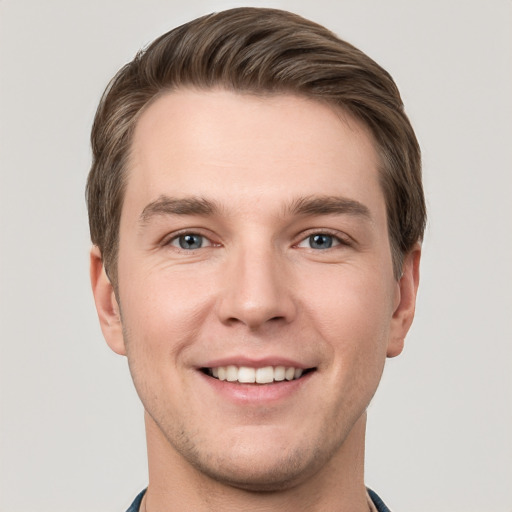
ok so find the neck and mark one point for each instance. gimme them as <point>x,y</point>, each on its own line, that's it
<point>175,485</point>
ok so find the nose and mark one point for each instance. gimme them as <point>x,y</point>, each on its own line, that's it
<point>256,289</point>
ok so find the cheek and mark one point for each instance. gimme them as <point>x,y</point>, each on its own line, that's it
<point>160,289</point>
<point>159,324</point>
<point>353,331</point>
<point>347,301</point>
<point>162,316</point>
<point>351,313</point>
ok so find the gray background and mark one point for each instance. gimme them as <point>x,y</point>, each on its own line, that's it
<point>439,434</point>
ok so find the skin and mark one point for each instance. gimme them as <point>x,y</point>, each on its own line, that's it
<point>258,289</point>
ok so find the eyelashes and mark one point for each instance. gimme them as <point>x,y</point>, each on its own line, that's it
<point>322,241</point>
<point>190,241</point>
<point>318,241</point>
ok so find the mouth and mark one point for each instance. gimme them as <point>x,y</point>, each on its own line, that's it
<point>250,375</point>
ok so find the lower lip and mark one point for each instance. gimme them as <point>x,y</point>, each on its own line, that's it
<point>256,393</point>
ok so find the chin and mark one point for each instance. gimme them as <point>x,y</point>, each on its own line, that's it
<point>249,475</point>
<point>260,466</point>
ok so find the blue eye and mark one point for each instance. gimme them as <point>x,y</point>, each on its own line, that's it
<point>320,241</point>
<point>189,241</point>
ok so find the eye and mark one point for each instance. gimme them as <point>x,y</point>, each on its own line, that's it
<point>190,241</point>
<point>320,241</point>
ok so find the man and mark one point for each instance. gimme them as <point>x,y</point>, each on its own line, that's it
<point>256,210</point>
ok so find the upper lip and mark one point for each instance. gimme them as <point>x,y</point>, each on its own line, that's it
<point>255,362</point>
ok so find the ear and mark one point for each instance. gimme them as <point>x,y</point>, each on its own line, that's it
<point>106,303</point>
<point>403,314</point>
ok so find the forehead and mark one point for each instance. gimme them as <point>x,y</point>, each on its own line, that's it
<point>220,143</point>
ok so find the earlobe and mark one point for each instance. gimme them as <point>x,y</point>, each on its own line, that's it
<point>403,314</point>
<point>106,303</point>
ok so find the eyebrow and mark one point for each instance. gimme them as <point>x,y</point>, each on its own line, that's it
<point>328,205</point>
<point>309,205</point>
<point>166,205</point>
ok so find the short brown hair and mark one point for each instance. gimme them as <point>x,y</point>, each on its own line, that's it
<point>256,50</point>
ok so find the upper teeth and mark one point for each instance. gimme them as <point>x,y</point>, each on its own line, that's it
<point>246,374</point>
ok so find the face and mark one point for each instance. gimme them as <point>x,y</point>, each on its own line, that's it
<point>256,294</point>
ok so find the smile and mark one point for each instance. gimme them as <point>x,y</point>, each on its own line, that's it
<point>249,375</point>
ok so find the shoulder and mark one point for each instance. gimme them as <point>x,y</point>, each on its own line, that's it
<point>380,506</point>
<point>135,506</point>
